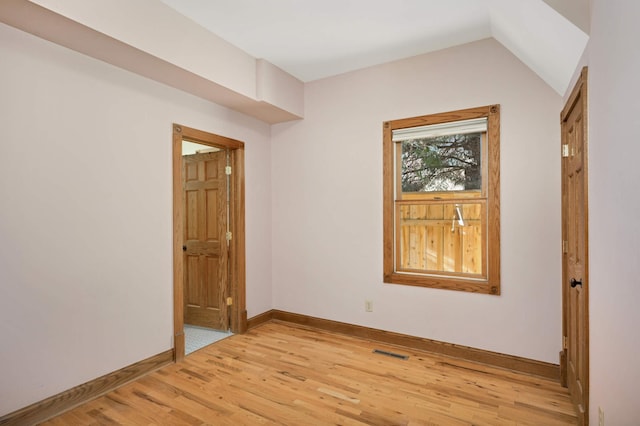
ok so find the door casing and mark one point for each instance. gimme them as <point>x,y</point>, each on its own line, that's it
<point>237,278</point>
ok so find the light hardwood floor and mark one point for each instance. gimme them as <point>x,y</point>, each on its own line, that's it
<point>283,374</point>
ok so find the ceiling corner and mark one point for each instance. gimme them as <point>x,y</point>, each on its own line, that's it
<point>543,39</point>
<point>578,12</point>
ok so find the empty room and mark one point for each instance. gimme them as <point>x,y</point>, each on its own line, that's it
<point>319,212</point>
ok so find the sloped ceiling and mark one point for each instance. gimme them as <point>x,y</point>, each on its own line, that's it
<point>317,39</point>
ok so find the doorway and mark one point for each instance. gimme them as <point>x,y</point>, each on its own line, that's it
<point>574,358</point>
<point>208,229</point>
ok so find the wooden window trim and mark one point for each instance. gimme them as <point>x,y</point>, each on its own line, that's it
<point>490,285</point>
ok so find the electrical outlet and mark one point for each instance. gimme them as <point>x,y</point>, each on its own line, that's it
<point>600,416</point>
<point>368,305</point>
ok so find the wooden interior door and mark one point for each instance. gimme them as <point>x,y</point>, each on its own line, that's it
<point>575,248</point>
<point>205,245</point>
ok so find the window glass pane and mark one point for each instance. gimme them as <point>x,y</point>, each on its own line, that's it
<point>442,163</point>
<point>441,238</point>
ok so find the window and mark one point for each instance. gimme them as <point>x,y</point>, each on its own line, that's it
<point>442,200</point>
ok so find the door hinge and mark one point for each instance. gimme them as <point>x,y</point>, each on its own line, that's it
<point>229,301</point>
<point>565,246</point>
<point>229,235</point>
<point>564,343</point>
<point>227,170</point>
<point>565,150</point>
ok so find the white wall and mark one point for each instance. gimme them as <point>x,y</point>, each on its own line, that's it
<point>327,202</point>
<point>86,215</point>
<point>583,62</point>
<point>155,28</point>
<point>614,209</point>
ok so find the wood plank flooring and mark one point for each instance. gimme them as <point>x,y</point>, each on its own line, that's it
<point>278,373</point>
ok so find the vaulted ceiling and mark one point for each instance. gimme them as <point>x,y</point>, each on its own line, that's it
<point>316,39</point>
<point>253,56</point>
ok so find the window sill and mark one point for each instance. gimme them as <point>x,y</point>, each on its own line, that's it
<point>447,283</point>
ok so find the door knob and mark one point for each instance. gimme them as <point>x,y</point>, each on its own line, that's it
<point>575,283</point>
<point>184,248</point>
